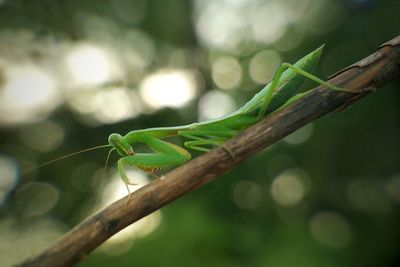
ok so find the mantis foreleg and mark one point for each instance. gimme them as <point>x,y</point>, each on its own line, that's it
<point>167,154</point>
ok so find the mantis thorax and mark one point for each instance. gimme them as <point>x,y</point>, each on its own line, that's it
<point>121,146</point>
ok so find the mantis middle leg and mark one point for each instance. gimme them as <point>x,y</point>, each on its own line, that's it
<point>206,135</point>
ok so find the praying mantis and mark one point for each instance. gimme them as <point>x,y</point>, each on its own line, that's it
<point>283,90</point>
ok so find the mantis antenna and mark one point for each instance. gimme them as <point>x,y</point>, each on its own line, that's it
<point>67,156</point>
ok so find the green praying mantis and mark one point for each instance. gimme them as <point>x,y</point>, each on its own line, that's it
<point>281,91</point>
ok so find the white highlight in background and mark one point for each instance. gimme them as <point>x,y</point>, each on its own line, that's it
<point>215,104</point>
<point>88,64</point>
<point>28,93</point>
<point>168,88</point>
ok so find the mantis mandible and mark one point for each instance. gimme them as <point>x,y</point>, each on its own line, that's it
<point>202,136</point>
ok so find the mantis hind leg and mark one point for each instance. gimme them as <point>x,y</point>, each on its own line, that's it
<point>277,76</point>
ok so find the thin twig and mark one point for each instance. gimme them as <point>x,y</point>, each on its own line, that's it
<point>363,78</point>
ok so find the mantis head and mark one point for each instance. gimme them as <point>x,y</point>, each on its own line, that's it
<point>119,143</point>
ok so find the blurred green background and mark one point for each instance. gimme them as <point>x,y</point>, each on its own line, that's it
<point>72,72</point>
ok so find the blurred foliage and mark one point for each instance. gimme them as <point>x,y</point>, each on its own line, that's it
<point>328,195</point>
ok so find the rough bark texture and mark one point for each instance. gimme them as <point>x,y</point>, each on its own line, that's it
<point>363,78</point>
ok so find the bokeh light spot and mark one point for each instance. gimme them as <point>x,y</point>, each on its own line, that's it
<point>226,72</point>
<point>263,66</point>
<point>109,105</point>
<point>38,198</point>
<point>88,64</point>
<point>28,94</point>
<point>138,50</point>
<point>215,104</point>
<point>168,88</point>
<point>368,195</point>
<point>85,101</point>
<point>231,25</point>
<point>219,25</point>
<point>43,136</point>
<point>269,22</point>
<point>22,240</point>
<point>115,189</point>
<point>28,86</point>
<point>289,188</point>
<point>116,105</point>
<point>331,229</point>
<point>300,136</point>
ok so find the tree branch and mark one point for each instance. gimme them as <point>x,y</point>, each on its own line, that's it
<point>363,77</point>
